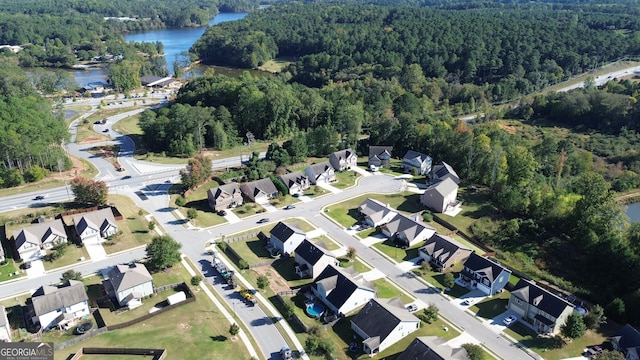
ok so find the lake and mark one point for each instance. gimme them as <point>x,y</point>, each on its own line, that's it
<point>175,41</point>
<point>633,212</point>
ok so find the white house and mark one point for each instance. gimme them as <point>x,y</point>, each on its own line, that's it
<point>310,259</point>
<point>53,306</point>
<point>296,182</point>
<point>5,328</point>
<point>321,173</point>
<point>341,291</point>
<point>376,213</point>
<point>343,160</point>
<point>406,231</point>
<point>129,284</point>
<point>441,196</point>
<point>286,238</point>
<point>29,241</point>
<point>95,225</point>
<point>382,323</point>
<point>415,160</point>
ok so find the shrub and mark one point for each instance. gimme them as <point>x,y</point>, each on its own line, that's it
<point>223,246</point>
<point>474,351</point>
<point>234,329</point>
<point>263,282</point>
<point>287,308</point>
<point>427,216</point>
<point>195,280</point>
<point>243,264</point>
<point>180,201</point>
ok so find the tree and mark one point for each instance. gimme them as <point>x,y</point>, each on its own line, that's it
<point>192,214</point>
<point>574,326</point>
<point>608,355</point>
<point>197,172</point>
<point>234,329</point>
<point>351,253</point>
<point>263,281</point>
<point>616,309</point>
<point>448,280</point>
<point>595,317</point>
<point>71,275</point>
<point>288,308</point>
<point>430,314</point>
<point>474,351</point>
<point>89,191</point>
<point>195,280</point>
<point>163,252</point>
<point>151,225</point>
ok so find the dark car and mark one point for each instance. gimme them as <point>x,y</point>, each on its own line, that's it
<point>83,328</point>
<point>289,207</point>
<point>105,130</point>
<point>26,265</point>
<point>222,213</point>
<point>126,177</point>
<point>39,197</point>
<point>263,220</point>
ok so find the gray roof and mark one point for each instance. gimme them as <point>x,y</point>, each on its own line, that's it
<point>407,227</point>
<point>98,219</point>
<point>125,277</point>
<point>628,338</point>
<point>253,188</point>
<point>50,298</point>
<point>320,168</point>
<point>442,169</point>
<point>442,187</point>
<point>310,252</point>
<point>379,317</point>
<point>341,155</point>
<point>414,155</point>
<point>292,178</point>
<point>442,247</point>
<point>283,231</point>
<point>540,298</point>
<point>432,348</point>
<point>226,189</point>
<point>340,283</point>
<point>374,209</point>
<point>38,232</point>
<point>484,267</point>
<point>378,150</point>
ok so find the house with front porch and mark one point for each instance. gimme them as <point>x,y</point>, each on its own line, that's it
<point>259,190</point>
<point>296,182</point>
<point>627,341</point>
<point>60,307</point>
<point>418,161</point>
<point>545,311</point>
<point>224,197</point>
<point>406,231</point>
<point>128,284</point>
<point>31,240</point>
<point>441,195</point>
<point>442,252</point>
<point>376,213</point>
<point>95,225</point>
<point>380,155</point>
<point>343,160</point>
<point>311,259</point>
<point>285,238</point>
<point>342,290</point>
<point>484,274</point>
<point>432,348</point>
<point>321,173</point>
<point>382,323</point>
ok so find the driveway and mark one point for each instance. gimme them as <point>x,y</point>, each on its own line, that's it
<point>496,325</point>
<point>266,205</point>
<point>231,217</point>
<point>95,249</point>
<point>37,269</point>
<point>361,171</point>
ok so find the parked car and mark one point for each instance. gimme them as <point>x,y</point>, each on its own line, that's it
<point>105,130</point>
<point>222,213</point>
<point>289,207</point>
<point>263,220</point>
<point>412,307</point>
<point>26,265</point>
<point>509,320</point>
<point>467,302</point>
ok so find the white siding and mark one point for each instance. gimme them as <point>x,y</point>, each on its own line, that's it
<point>357,299</point>
<point>145,289</point>
<point>292,243</point>
<point>400,332</point>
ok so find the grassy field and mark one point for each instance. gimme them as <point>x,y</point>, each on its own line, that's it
<point>386,290</point>
<point>8,270</point>
<point>128,126</point>
<point>248,209</point>
<point>328,243</point>
<point>542,345</point>
<point>346,212</point>
<point>282,201</point>
<point>197,199</point>
<point>358,265</point>
<point>72,255</point>
<point>474,207</point>
<point>275,65</point>
<point>345,179</point>
<point>491,307</point>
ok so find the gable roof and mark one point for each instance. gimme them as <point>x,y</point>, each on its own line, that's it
<point>125,277</point>
<point>420,157</point>
<point>310,252</point>
<point>484,266</point>
<point>442,187</point>
<point>293,178</point>
<point>342,154</point>
<point>37,232</point>
<point>378,150</point>
<point>227,189</point>
<point>442,169</point>
<point>432,348</point>
<point>406,226</point>
<point>379,317</point>
<point>375,209</point>
<point>98,219</point>
<point>50,298</point>
<point>254,188</point>
<point>540,298</point>
<point>442,247</point>
<point>320,168</point>
<point>339,285</point>
<point>627,338</point>
<point>283,231</point>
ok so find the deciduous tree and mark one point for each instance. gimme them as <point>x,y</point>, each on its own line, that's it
<point>163,252</point>
<point>89,191</point>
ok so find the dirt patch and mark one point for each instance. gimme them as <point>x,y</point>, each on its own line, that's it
<point>78,168</point>
<point>510,129</point>
<point>183,326</point>
<point>276,282</point>
<point>89,140</point>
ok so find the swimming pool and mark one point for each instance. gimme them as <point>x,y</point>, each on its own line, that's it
<point>315,310</point>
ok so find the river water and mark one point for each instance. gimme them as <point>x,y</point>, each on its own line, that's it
<point>175,41</point>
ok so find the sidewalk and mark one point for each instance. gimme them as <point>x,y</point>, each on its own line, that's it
<point>332,189</point>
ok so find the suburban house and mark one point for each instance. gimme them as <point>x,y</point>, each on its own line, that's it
<point>382,323</point>
<point>310,259</point>
<point>224,197</point>
<point>432,348</point>
<point>539,307</point>
<point>343,160</point>
<point>375,213</point>
<point>341,291</point>
<point>296,182</point>
<point>441,171</point>
<point>627,341</point>
<point>321,173</point>
<point>52,306</point>
<point>380,155</point>
<point>406,231</point>
<point>29,241</point>
<point>484,274</point>
<point>5,327</point>
<point>260,190</point>
<point>442,252</point>
<point>128,284</point>
<point>95,225</point>
<point>441,195</point>
<point>285,238</point>
<point>415,160</point>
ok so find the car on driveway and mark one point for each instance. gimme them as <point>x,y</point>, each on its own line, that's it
<point>412,308</point>
<point>289,207</point>
<point>467,302</point>
<point>222,213</point>
<point>509,320</point>
<point>263,220</point>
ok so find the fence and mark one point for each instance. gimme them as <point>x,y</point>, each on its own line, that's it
<point>158,354</point>
<point>293,319</point>
<point>240,238</point>
<point>261,264</point>
<point>77,339</point>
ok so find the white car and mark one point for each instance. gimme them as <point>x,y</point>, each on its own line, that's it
<point>509,320</point>
<point>412,308</point>
<point>467,302</point>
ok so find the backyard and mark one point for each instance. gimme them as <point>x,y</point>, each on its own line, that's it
<point>475,205</point>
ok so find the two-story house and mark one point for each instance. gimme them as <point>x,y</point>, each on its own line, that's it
<point>342,291</point>
<point>285,238</point>
<point>224,197</point>
<point>29,241</point>
<point>432,348</point>
<point>259,190</point>
<point>296,182</point>
<point>343,160</point>
<point>376,213</point>
<point>382,323</point>
<point>539,307</point>
<point>441,195</point>
<point>5,327</point>
<point>52,306</point>
<point>442,252</point>
<point>627,341</point>
<point>484,274</point>
<point>128,284</point>
<point>95,225</point>
<point>416,160</point>
<point>311,259</point>
<point>406,231</point>
<point>442,171</point>
<point>380,155</point>
<point>321,173</point>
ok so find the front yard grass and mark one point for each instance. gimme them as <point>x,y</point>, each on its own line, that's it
<point>328,243</point>
<point>346,213</point>
<point>491,307</point>
<point>8,271</point>
<point>358,265</point>
<point>248,209</point>
<point>345,179</point>
<point>282,201</point>
<point>542,345</point>
<point>397,254</point>
<point>72,254</point>
<point>197,199</point>
<point>386,290</point>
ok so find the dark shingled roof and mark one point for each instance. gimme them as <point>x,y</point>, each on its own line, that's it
<point>377,150</point>
<point>627,338</point>
<point>540,298</point>
<point>283,231</point>
<point>341,284</point>
<point>49,298</point>
<point>309,252</point>
<point>484,266</point>
<point>379,317</point>
<point>441,247</point>
<point>431,348</point>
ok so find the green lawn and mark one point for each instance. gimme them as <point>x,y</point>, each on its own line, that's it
<point>128,126</point>
<point>444,231</point>
<point>252,250</point>
<point>386,290</point>
<point>248,209</point>
<point>369,232</point>
<point>133,230</point>
<point>72,255</point>
<point>475,205</point>
<point>345,179</point>
<point>398,254</point>
<point>542,346</point>
<point>282,201</point>
<point>300,224</point>
<point>197,199</point>
<point>328,243</point>
<point>358,265</point>
<point>491,307</point>
<point>346,213</point>
<point>8,270</point>
<point>286,269</point>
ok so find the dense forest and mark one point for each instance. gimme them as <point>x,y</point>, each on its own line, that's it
<point>512,50</point>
